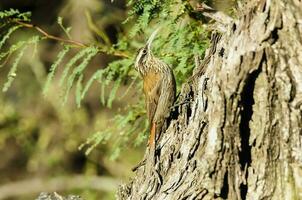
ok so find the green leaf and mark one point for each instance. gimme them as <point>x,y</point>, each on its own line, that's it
<point>77,57</point>
<point>79,89</point>
<point>91,52</point>
<point>54,67</point>
<point>66,30</point>
<point>7,35</point>
<point>13,71</point>
<point>113,92</point>
<point>19,45</point>
<point>97,75</point>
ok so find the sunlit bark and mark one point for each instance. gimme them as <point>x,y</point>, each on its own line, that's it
<point>237,132</point>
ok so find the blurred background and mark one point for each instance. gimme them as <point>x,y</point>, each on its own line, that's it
<point>40,137</point>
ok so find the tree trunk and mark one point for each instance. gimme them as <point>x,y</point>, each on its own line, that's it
<point>238,129</point>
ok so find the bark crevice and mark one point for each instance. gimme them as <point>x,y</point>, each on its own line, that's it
<point>247,102</point>
<point>225,189</point>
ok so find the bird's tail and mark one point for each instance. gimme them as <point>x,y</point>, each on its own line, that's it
<point>152,135</point>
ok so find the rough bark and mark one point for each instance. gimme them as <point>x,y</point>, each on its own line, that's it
<point>240,134</point>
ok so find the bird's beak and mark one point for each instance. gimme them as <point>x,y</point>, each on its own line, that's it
<point>152,37</point>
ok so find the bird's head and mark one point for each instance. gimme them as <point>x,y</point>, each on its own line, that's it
<point>144,55</point>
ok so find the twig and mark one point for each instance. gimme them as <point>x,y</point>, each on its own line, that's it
<point>69,41</point>
<point>27,25</point>
<point>6,60</point>
<point>95,29</point>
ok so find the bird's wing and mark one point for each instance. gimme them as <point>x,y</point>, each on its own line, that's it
<point>151,107</point>
<point>166,98</point>
<point>152,85</point>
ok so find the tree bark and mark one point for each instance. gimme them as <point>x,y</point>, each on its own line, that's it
<point>239,136</point>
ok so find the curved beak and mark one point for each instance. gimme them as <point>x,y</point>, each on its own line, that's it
<point>152,37</point>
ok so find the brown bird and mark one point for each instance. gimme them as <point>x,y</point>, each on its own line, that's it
<point>158,85</point>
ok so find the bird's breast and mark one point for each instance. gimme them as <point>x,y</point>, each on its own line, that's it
<point>150,81</point>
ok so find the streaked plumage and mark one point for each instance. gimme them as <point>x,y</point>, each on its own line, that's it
<point>158,85</point>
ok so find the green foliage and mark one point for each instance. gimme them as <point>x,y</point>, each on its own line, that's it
<point>90,52</point>
<point>127,129</point>
<point>179,40</point>
<point>14,14</point>
<point>54,67</point>
<point>66,30</point>
<point>81,54</point>
<point>12,72</point>
<point>79,89</point>
<point>7,35</point>
<point>180,37</point>
<point>20,46</point>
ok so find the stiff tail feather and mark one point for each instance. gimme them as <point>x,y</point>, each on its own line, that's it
<point>152,135</point>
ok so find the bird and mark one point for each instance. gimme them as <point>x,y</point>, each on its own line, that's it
<point>159,87</point>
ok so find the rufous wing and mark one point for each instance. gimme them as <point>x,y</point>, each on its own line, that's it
<point>152,84</point>
<point>152,89</point>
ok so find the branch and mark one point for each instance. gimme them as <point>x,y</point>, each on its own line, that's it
<point>49,36</point>
<point>69,41</point>
<point>37,185</point>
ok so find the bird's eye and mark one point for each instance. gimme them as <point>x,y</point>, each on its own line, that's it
<point>144,51</point>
